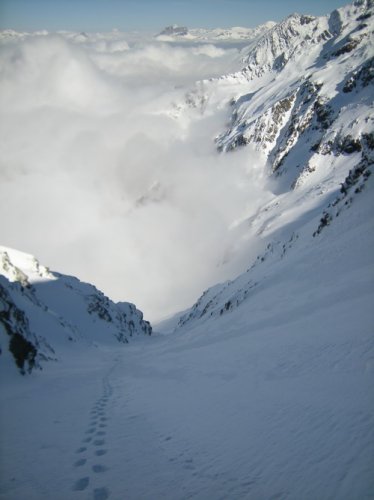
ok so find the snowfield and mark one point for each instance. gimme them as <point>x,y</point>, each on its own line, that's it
<point>274,400</point>
<point>262,389</point>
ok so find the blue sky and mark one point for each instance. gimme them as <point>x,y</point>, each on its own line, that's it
<point>151,15</point>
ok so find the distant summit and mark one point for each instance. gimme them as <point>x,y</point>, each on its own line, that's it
<point>174,30</point>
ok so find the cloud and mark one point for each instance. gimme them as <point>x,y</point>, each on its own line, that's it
<point>156,63</point>
<point>98,180</point>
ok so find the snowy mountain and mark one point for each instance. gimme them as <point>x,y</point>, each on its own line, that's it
<point>44,314</point>
<point>284,352</point>
<point>307,115</point>
<point>174,30</point>
<point>263,388</point>
<point>180,33</point>
<point>302,104</point>
<point>290,53</point>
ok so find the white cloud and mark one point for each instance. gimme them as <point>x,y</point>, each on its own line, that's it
<point>97,181</point>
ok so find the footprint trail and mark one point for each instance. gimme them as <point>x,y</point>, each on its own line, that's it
<point>94,439</point>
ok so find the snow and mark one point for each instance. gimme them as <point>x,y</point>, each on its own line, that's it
<point>271,400</point>
<point>263,389</point>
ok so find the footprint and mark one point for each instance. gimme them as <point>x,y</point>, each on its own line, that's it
<point>103,419</point>
<point>81,449</point>
<point>80,462</point>
<point>87,440</point>
<point>99,453</point>
<point>102,426</point>
<point>99,442</point>
<point>99,468</point>
<point>90,431</point>
<point>101,494</point>
<point>100,433</point>
<point>189,464</point>
<point>81,484</point>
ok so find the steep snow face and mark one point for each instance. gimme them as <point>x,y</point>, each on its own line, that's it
<point>311,259</point>
<point>295,35</point>
<point>43,313</point>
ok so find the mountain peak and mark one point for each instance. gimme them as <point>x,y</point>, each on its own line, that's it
<point>174,30</point>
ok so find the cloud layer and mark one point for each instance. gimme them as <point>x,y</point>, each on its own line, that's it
<point>99,180</point>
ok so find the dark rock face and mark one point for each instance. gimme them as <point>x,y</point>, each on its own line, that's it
<point>24,352</point>
<point>350,45</point>
<point>360,78</point>
<point>22,342</point>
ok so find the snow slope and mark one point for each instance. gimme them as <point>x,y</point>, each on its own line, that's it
<point>272,399</point>
<point>264,389</point>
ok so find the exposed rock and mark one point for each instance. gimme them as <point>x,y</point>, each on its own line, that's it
<point>361,77</point>
<point>22,342</point>
<point>350,45</point>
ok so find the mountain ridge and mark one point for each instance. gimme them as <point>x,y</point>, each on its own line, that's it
<point>48,312</point>
<point>312,134</point>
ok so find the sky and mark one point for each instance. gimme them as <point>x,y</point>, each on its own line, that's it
<point>150,15</point>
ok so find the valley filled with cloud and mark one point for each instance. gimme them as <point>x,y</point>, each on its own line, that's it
<point>109,170</point>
